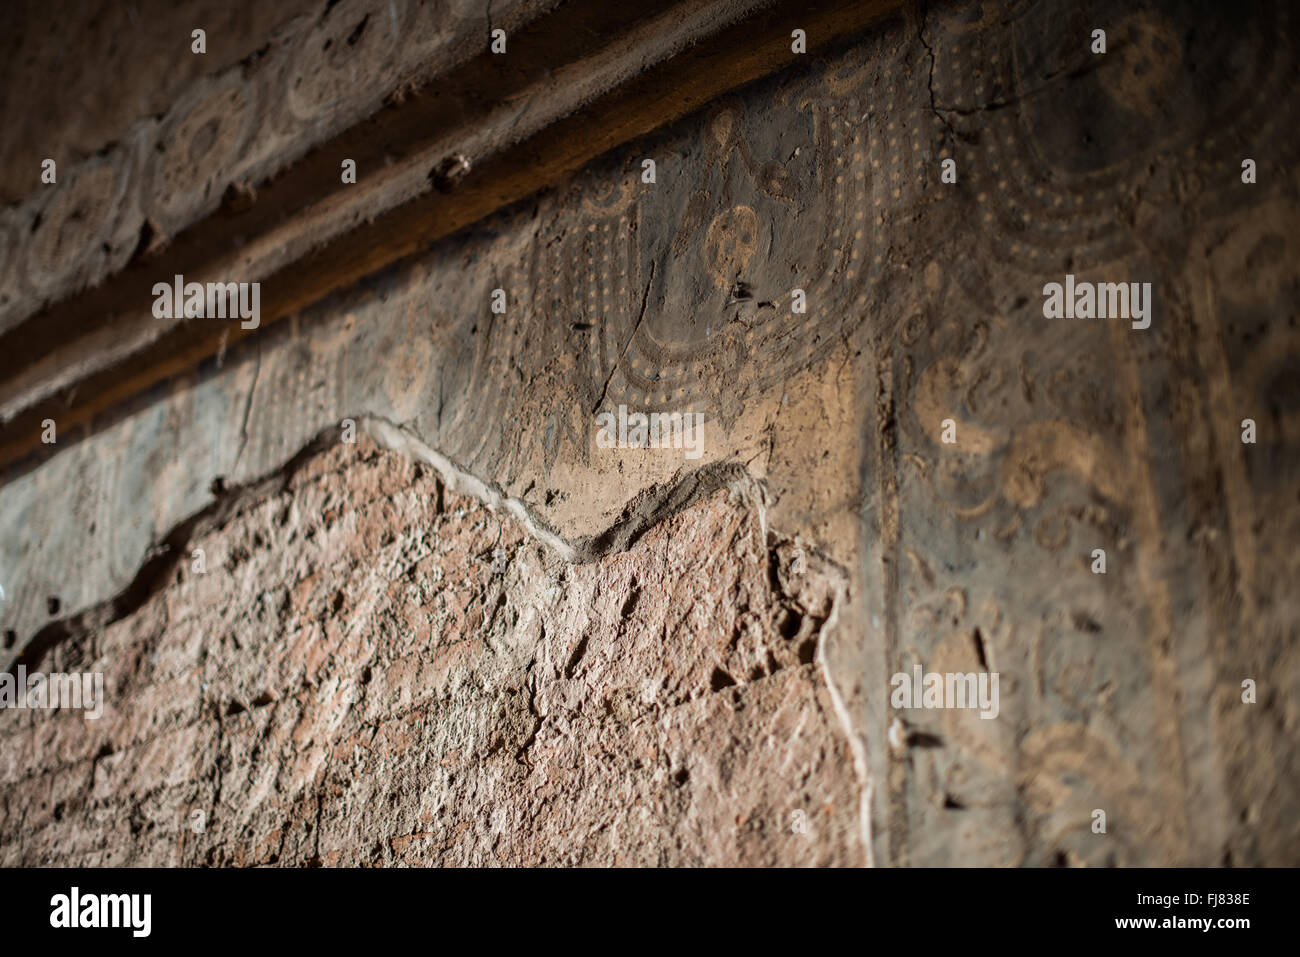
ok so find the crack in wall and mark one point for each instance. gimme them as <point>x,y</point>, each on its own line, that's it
<point>653,506</point>
<point>645,300</point>
<point>857,746</point>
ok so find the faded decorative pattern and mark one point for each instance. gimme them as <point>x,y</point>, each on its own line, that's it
<point>317,74</point>
<point>1119,691</point>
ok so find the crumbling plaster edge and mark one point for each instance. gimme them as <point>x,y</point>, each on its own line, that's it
<point>653,506</point>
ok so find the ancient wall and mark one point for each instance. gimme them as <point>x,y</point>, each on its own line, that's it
<point>438,622</point>
<point>375,670</point>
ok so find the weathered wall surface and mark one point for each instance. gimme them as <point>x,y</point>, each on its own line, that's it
<point>1119,691</point>
<point>375,670</point>
<point>143,157</point>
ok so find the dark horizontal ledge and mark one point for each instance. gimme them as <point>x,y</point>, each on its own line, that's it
<point>573,85</point>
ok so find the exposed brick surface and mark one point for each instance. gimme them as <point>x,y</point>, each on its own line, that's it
<point>373,670</point>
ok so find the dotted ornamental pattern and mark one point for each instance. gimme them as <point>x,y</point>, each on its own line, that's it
<point>1120,691</point>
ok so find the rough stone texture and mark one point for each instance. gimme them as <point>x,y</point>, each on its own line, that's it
<point>374,670</point>
<point>1120,692</point>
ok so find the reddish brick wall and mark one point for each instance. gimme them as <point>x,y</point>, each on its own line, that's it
<point>373,670</point>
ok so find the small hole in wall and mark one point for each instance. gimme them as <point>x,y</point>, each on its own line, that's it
<point>52,604</point>
<point>11,637</point>
<point>808,651</point>
<point>360,29</point>
<point>721,680</point>
<point>789,623</point>
<point>633,597</point>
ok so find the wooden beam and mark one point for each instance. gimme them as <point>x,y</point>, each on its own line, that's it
<point>575,84</point>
